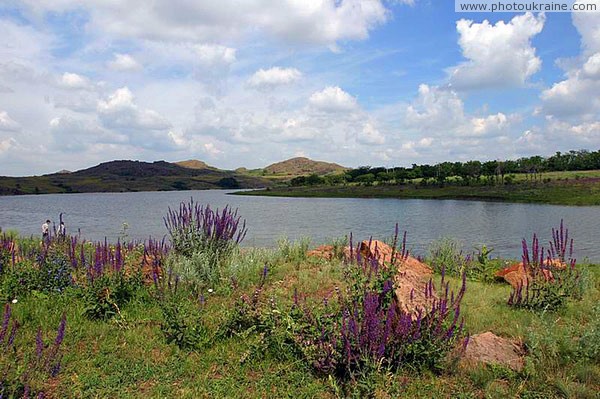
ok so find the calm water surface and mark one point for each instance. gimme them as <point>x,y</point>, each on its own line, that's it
<point>499,225</point>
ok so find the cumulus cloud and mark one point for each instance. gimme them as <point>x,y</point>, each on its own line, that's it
<point>370,135</point>
<point>212,55</point>
<point>7,124</point>
<point>124,63</point>
<point>326,122</point>
<point>21,43</point>
<point>119,111</point>
<point>266,79</point>
<point>74,81</point>
<point>589,27</point>
<point>438,114</point>
<point>211,149</point>
<point>316,21</point>
<point>498,55</point>
<point>584,133</point>
<point>333,99</point>
<point>490,124</point>
<point>78,134</point>
<point>7,144</point>
<point>577,97</point>
<point>434,108</point>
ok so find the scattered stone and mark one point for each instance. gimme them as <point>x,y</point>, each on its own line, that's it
<point>488,348</point>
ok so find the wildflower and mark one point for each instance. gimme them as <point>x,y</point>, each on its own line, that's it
<point>210,290</point>
<point>15,300</point>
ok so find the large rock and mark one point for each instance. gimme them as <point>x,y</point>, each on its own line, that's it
<point>518,275</point>
<point>411,279</point>
<point>488,348</point>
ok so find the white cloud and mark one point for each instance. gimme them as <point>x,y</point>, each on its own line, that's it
<point>212,55</point>
<point>211,149</point>
<point>21,43</point>
<point>297,21</point>
<point>124,63</point>
<point>370,135</point>
<point>498,55</point>
<point>489,124</point>
<point>584,133</point>
<point>333,99</point>
<point>7,144</point>
<point>412,145</point>
<point>588,25</point>
<point>7,124</point>
<point>120,112</point>
<point>591,68</point>
<point>80,134</point>
<point>577,97</point>
<point>265,79</point>
<point>178,138</point>
<point>74,81</point>
<point>435,108</point>
<point>437,115</point>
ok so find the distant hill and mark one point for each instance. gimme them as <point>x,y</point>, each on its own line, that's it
<point>194,164</point>
<point>303,166</point>
<point>122,176</point>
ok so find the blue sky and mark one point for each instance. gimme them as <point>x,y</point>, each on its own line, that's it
<point>358,82</point>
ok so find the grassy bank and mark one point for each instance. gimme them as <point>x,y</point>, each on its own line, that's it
<point>584,191</point>
<point>149,320</point>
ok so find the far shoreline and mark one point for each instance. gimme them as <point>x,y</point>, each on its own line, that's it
<point>577,194</point>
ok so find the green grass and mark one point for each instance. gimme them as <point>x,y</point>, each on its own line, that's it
<point>562,189</point>
<point>128,356</point>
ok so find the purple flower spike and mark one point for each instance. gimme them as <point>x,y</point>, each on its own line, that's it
<point>39,344</point>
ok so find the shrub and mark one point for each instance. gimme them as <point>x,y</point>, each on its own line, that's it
<point>551,277</point>
<point>264,326</point>
<point>293,252</point>
<point>24,374</point>
<point>107,294</point>
<point>48,272</point>
<point>7,252</point>
<point>182,322</point>
<point>447,253</point>
<point>589,343</point>
<point>367,329</point>
<point>204,238</point>
<point>195,228</point>
<point>109,285</point>
<point>55,271</point>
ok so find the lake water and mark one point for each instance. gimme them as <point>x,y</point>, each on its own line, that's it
<point>497,225</point>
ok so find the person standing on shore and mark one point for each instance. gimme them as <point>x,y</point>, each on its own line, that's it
<point>46,230</point>
<point>62,230</point>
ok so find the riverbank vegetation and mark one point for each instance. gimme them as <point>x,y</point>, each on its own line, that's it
<point>198,316</point>
<point>563,179</point>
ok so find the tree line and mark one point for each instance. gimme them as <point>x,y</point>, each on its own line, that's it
<point>465,173</point>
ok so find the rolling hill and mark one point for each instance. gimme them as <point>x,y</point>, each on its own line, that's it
<point>194,164</point>
<point>303,166</point>
<point>123,176</point>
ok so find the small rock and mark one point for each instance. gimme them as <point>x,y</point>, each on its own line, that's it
<point>488,348</point>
